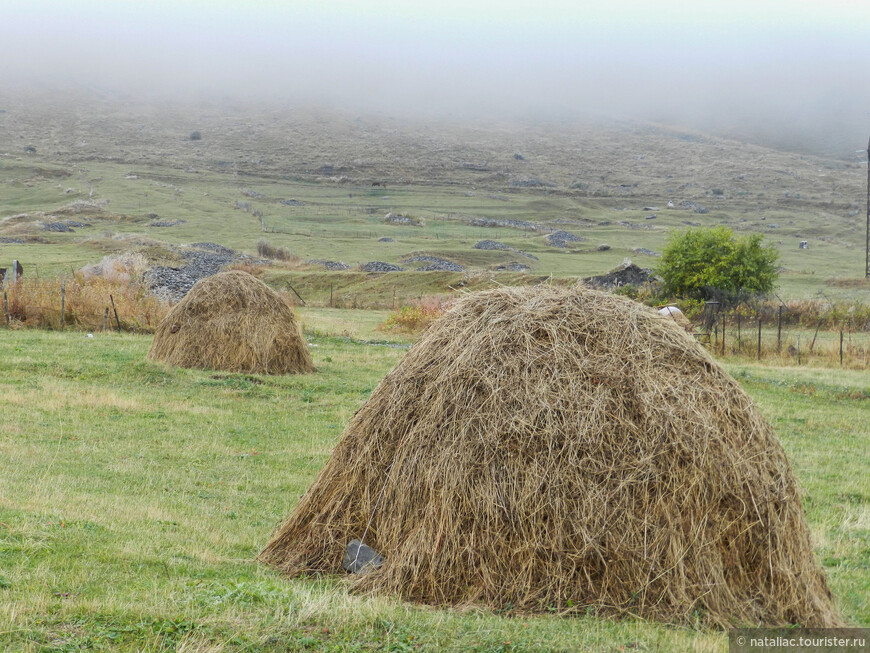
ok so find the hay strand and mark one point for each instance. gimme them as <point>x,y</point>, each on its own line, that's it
<point>551,449</point>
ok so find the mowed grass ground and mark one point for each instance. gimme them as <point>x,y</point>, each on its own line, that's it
<point>134,499</point>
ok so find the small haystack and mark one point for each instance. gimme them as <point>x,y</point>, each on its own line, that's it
<point>232,321</point>
<point>564,449</point>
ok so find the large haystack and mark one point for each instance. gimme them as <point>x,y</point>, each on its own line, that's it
<point>232,321</point>
<point>542,448</point>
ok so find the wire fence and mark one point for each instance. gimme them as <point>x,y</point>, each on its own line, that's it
<point>779,334</point>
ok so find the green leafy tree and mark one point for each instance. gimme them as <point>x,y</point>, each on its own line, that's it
<point>712,262</point>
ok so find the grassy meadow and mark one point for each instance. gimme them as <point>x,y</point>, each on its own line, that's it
<point>134,499</point>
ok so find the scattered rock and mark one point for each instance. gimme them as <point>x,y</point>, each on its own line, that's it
<point>214,247</point>
<point>398,218</point>
<point>292,202</point>
<point>492,244</point>
<point>446,266</point>
<point>562,238</point>
<point>495,245</point>
<point>76,224</point>
<point>435,264</point>
<point>519,157</point>
<point>59,227</point>
<point>513,266</point>
<point>625,274</point>
<point>386,240</point>
<point>11,241</point>
<point>360,558</point>
<point>201,260</point>
<point>651,217</point>
<point>645,251</point>
<point>165,223</point>
<point>530,183</point>
<point>380,266</point>
<point>329,265</point>
<point>602,248</point>
<point>499,222</point>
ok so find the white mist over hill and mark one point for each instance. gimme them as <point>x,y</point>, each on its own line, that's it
<point>791,74</point>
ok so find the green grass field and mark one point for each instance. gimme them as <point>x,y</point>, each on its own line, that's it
<point>134,499</point>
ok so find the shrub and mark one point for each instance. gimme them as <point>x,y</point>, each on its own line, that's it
<point>267,250</point>
<point>414,318</point>
<point>711,263</point>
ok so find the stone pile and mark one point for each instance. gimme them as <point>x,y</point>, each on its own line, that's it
<point>435,264</point>
<point>58,227</point>
<point>562,238</point>
<point>380,266</point>
<point>201,260</point>
<point>329,265</point>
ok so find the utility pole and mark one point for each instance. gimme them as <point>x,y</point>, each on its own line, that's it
<point>867,248</point>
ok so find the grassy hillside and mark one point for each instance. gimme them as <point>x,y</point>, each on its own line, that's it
<point>135,497</point>
<point>303,181</point>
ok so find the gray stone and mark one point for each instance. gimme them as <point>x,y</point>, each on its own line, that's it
<point>380,266</point>
<point>360,558</point>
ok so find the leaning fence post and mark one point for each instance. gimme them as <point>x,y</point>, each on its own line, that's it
<point>117,321</point>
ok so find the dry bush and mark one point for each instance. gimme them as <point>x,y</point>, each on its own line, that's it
<point>36,303</point>
<point>120,268</point>
<point>415,317</point>
<point>564,449</point>
<point>254,269</point>
<point>267,250</point>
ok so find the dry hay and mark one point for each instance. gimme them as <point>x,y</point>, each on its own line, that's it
<point>564,449</point>
<point>232,321</point>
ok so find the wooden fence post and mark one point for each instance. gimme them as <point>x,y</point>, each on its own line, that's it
<point>723,334</point>
<point>779,331</point>
<point>6,308</point>
<point>62,304</point>
<point>105,318</point>
<point>759,337</point>
<point>841,347</point>
<point>813,343</point>
<point>117,321</point>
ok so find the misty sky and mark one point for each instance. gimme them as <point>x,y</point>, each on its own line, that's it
<point>789,64</point>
